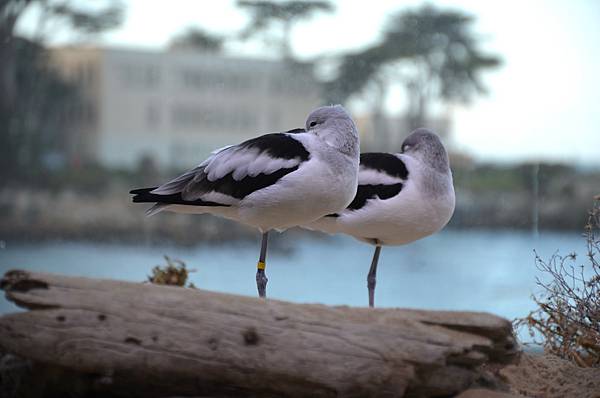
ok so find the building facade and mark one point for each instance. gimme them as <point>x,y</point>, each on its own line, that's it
<point>176,107</point>
<point>386,133</point>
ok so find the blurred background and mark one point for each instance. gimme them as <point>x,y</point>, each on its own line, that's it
<point>99,97</point>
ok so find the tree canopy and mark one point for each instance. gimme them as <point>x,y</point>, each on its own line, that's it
<point>434,54</point>
<point>282,15</point>
<point>35,100</point>
<point>194,38</point>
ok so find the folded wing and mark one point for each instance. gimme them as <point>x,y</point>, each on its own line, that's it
<point>380,176</point>
<point>232,173</point>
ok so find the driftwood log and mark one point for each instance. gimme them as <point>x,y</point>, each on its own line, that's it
<point>146,340</point>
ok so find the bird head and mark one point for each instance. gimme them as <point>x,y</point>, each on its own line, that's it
<point>427,146</point>
<point>335,126</point>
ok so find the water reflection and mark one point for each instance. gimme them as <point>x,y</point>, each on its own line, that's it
<point>476,270</point>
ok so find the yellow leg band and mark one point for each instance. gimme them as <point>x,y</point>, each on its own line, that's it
<point>261,265</point>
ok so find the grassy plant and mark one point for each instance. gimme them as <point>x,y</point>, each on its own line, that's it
<point>567,320</point>
<point>174,273</point>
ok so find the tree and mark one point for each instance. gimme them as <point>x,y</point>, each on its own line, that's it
<point>78,17</point>
<point>265,14</point>
<point>197,39</point>
<point>432,53</point>
<point>34,99</point>
<point>33,124</point>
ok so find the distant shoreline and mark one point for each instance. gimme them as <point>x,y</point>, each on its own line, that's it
<point>41,215</point>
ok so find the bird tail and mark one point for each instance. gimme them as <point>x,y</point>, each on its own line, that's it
<point>157,208</point>
<point>144,195</point>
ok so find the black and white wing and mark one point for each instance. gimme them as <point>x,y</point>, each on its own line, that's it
<point>231,173</point>
<point>380,176</point>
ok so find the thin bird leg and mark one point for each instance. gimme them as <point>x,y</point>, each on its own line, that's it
<point>261,278</point>
<point>372,276</point>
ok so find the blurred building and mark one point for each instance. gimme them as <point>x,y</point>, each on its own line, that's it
<point>386,133</point>
<point>176,107</point>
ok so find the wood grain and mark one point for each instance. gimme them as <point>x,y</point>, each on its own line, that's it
<point>148,340</point>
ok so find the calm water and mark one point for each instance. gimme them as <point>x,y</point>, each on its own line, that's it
<point>455,270</point>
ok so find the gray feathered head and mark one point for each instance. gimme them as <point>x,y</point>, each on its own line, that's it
<point>427,146</point>
<point>334,125</point>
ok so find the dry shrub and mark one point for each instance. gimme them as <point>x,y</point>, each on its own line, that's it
<point>568,315</point>
<point>174,273</point>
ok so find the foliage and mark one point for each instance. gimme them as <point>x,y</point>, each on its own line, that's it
<point>174,273</point>
<point>432,53</point>
<point>32,124</point>
<point>568,313</point>
<point>553,178</point>
<point>491,178</point>
<point>82,19</point>
<point>36,102</point>
<point>197,39</point>
<point>264,14</point>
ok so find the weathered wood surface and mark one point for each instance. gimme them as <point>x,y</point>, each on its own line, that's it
<point>175,341</point>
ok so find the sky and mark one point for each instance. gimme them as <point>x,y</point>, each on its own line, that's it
<point>543,103</point>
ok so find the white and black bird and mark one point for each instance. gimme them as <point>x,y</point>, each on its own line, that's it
<point>275,181</point>
<point>401,197</point>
